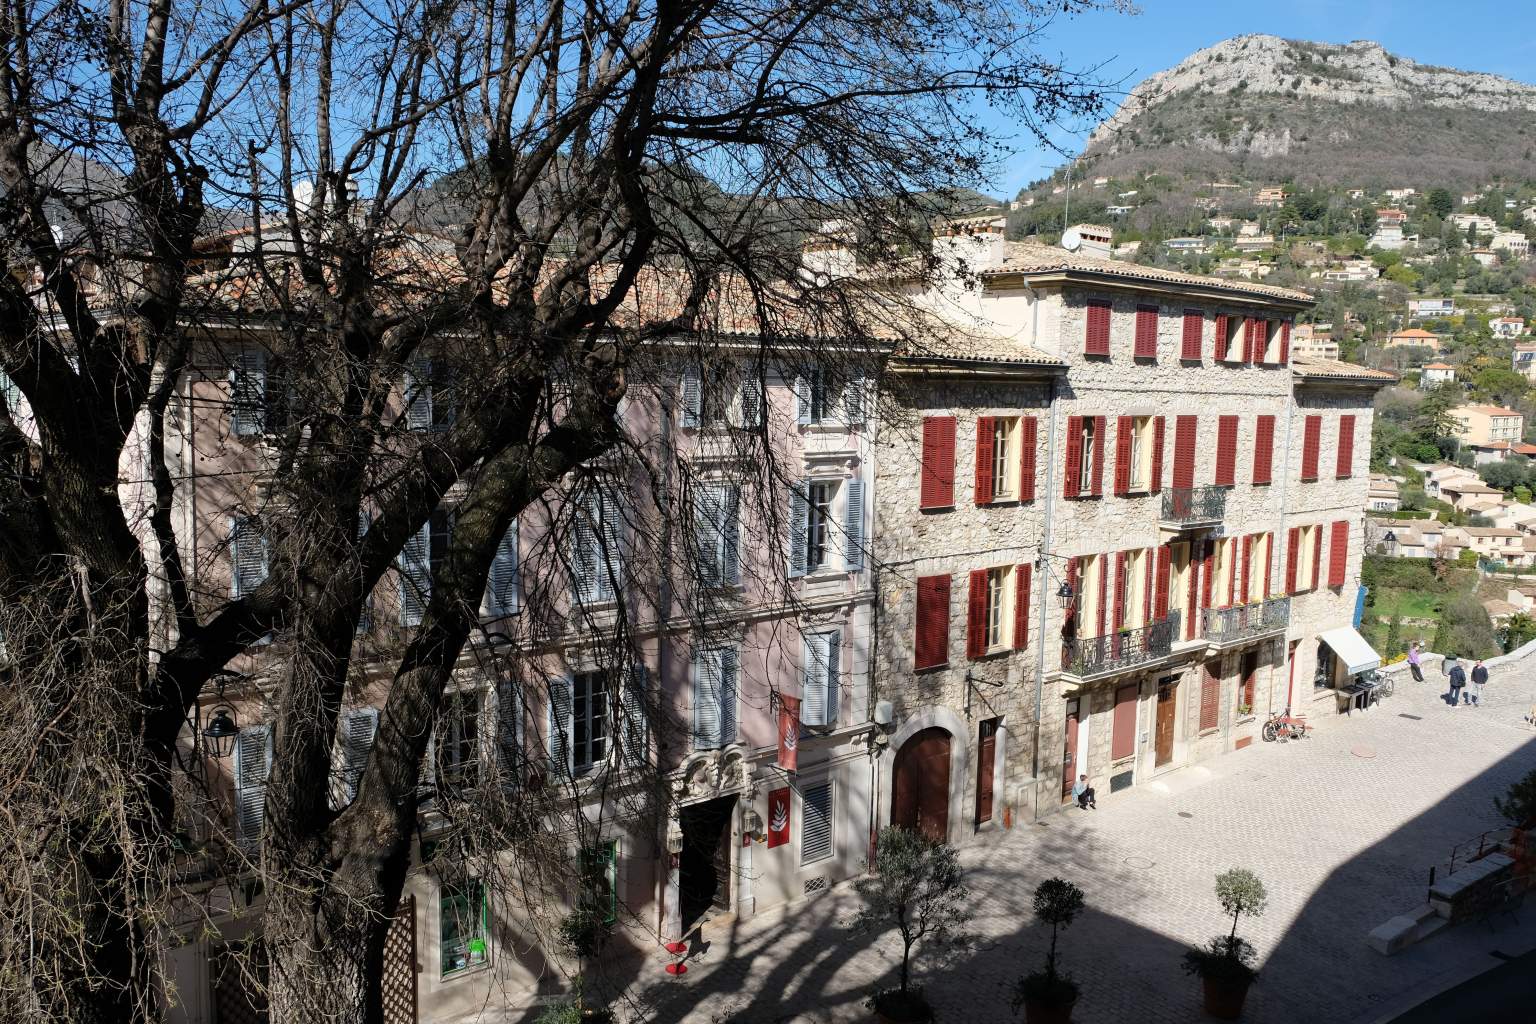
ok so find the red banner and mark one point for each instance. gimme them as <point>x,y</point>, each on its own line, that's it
<point>778,817</point>
<point>789,733</point>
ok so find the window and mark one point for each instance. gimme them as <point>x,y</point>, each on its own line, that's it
<point>716,526</point>
<point>820,495</point>
<point>589,720</point>
<point>1232,326</point>
<point>1302,565</point>
<point>1096,335</point>
<point>1311,443</point>
<point>1272,334</point>
<point>462,926</point>
<point>419,561</point>
<point>1001,478</point>
<point>811,397</point>
<point>247,555</point>
<point>501,583</point>
<point>1194,326</point>
<point>997,608</point>
<point>714,697</point>
<point>937,488</point>
<point>1146,332</point>
<point>1085,444</point>
<point>1125,594</point>
<point>596,556</point>
<point>1263,449</point>
<point>822,665</point>
<point>600,880</point>
<point>1344,461</point>
<point>931,647</point>
<point>458,741</point>
<point>429,400</point>
<point>1226,451</point>
<point>816,822</point>
<point>998,469</point>
<point>1138,454</point>
<point>1085,452</point>
<point>1260,558</point>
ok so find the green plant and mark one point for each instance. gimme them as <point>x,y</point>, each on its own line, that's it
<point>1057,903</point>
<point>1229,957</point>
<point>1518,804</point>
<point>916,887</point>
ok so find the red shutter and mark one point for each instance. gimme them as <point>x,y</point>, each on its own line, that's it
<point>1103,566</point>
<point>1263,449</point>
<point>1164,564</point>
<point>1029,439</point>
<point>1123,428</point>
<point>1317,559</point>
<point>1074,456</point>
<point>1292,540</point>
<point>1219,346</point>
<point>1146,332</point>
<point>1021,574</point>
<point>1346,456</point>
<point>1194,590</point>
<point>1122,734</point>
<point>1184,437</point>
<point>984,428</point>
<point>1226,451</point>
<point>1156,483</point>
<point>938,476</point>
<point>1338,553</point>
<point>1207,574</point>
<point>1149,585</point>
<point>1269,561</point>
<point>1231,546</point>
<point>1255,352</point>
<point>1210,698</point>
<point>1194,324</point>
<point>932,646</point>
<point>1096,340</point>
<point>1073,584</point>
<point>1245,588</point>
<point>1100,428</point>
<point>1311,440</point>
<point>1285,343</point>
<point>976,615</point>
<point>1120,609</point>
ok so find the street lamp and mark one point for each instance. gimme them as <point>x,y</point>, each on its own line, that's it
<point>1390,540</point>
<point>222,727</point>
<point>1064,594</point>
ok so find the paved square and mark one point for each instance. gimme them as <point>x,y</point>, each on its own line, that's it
<point>1342,828</point>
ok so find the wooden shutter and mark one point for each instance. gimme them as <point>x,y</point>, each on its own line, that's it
<point>1292,541</point>
<point>815,664</point>
<point>1164,567</point>
<point>1149,584</point>
<point>730,670</point>
<point>1102,564</point>
<point>635,734</point>
<point>1263,449</point>
<point>1185,430</point>
<point>355,730</point>
<point>252,766</point>
<point>751,401</point>
<point>1269,563</point>
<point>709,529</point>
<point>799,526</point>
<point>557,738</point>
<point>1245,588</point>
<point>984,427</point>
<point>932,642</point>
<point>1219,347</point>
<point>1100,428</point>
<point>803,388</point>
<point>247,393</point>
<point>1226,451</point>
<point>1146,332</point>
<point>415,572</point>
<point>1193,615</point>
<point>1124,425</point>
<point>1021,575</point>
<point>1285,343</point>
<point>938,472</point>
<point>1096,338</point>
<point>1317,555</point>
<point>1311,439</point>
<point>501,580</point>
<point>1346,455</point>
<point>1210,698</point>
<point>692,399</point>
<point>1122,737</point>
<point>853,526</point>
<point>248,556</point>
<point>418,395</point>
<point>976,615</point>
<point>816,822</point>
<point>1338,553</point>
<point>1074,456</point>
<point>1194,323</point>
<point>1155,484</point>
<point>1253,339</point>
<point>509,733</point>
<point>1029,440</point>
<point>1120,609</point>
<point>853,399</point>
<point>1207,573</point>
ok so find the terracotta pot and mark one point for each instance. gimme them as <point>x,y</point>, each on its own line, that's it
<point>1048,1013</point>
<point>1224,997</point>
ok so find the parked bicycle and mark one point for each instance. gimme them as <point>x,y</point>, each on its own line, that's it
<point>1284,726</point>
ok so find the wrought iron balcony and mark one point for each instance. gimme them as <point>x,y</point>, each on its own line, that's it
<point>1102,655</point>
<point>1230,625</point>
<point>1194,506</point>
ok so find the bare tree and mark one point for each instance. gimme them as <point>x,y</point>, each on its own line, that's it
<point>553,205</point>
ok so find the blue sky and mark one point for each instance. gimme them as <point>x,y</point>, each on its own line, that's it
<point>1475,35</point>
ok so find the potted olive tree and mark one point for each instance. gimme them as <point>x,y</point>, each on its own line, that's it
<point>916,888</point>
<point>1048,996</point>
<point>1225,963</point>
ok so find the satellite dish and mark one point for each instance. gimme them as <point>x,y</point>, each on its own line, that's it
<point>1072,239</point>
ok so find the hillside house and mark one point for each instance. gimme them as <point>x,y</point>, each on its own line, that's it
<point>1513,242</point>
<point>1220,224</point>
<point>1413,337</point>
<point>1270,196</point>
<point>1507,326</point>
<point>1390,238</point>
<point>1480,424</point>
<point>1523,359</point>
<point>1391,217</point>
<point>1399,195</point>
<point>1352,270</point>
<point>1381,496</point>
<point>1490,542</point>
<point>1429,309</point>
<point>1189,244</point>
<point>1484,257</point>
<point>1253,243</point>
<point>1481,223</point>
<point>1118,211</point>
<point>1248,228</point>
<point>1311,340</point>
<point>1437,373</point>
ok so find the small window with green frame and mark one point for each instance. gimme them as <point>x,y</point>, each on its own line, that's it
<point>600,871</point>
<point>463,926</point>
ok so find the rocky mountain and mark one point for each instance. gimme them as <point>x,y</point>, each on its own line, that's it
<point>1262,107</point>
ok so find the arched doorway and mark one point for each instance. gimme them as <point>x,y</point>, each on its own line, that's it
<point>920,794</point>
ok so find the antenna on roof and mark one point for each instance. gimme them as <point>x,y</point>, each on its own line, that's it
<point>1072,239</point>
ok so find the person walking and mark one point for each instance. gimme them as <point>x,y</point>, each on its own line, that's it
<point>1458,680</point>
<point>1413,662</point>
<point>1479,677</point>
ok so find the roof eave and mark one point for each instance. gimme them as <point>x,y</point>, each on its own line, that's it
<point>1130,282</point>
<point>955,367</point>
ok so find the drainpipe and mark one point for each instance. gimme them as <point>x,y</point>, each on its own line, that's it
<point>1282,536</point>
<point>1045,545</point>
<point>872,486</point>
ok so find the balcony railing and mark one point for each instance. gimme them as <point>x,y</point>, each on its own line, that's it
<point>1228,625</point>
<point>1127,649</point>
<point>1190,506</point>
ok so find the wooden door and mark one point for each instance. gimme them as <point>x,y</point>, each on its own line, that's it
<point>986,752</point>
<point>1069,750</point>
<point>920,793</point>
<point>1166,715</point>
<point>1247,694</point>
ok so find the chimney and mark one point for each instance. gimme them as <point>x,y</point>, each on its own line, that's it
<point>976,240</point>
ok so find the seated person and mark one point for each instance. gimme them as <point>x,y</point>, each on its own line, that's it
<point>1084,794</point>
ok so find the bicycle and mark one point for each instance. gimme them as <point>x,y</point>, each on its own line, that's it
<point>1284,726</point>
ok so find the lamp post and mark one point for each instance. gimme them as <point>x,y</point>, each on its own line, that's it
<point>222,727</point>
<point>1390,540</point>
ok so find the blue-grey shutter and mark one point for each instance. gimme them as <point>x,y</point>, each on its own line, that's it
<point>853,400</point>
<point>706,699</point>
<point>799,523</point>
<point>707,515</point>
<point>802,399</point>
<point>415,566</point>
<point>584,547</point>
<point>248,392</point>
<point>813,671</point>
<point>853,527</point>
<point>730,528</point>
<point>253,764</point>
<point>509,733</point>
<point>816,822</point>
<point>730,666</point>
<point>693,398</point>
<point>248,557</point>
<point>559,727</point>
<point>751,402</point>
<point>501,583</point>
<point>357,729</point>
<point>418,395</point>
<point>832,655</point>
<point>632,708</point>
<point>611,568</point>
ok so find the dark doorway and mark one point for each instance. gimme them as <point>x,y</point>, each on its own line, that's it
<point>1069,750</point>
<point>1167,714</point>
<point>704,867</point>
<point>921,792</point>
<point>986,754</point>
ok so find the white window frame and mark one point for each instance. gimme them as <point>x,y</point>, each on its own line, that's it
<point>1086,442</point>
<point>597,682</point>
<point>482,929</point>
<point>1141,453</point>
<point>457,740</point>
<point>999,614</point>
<point>1005,462</point>
<point>819,522</point>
